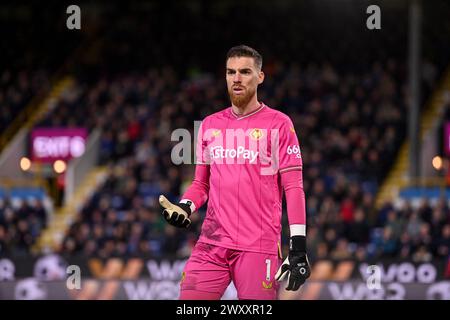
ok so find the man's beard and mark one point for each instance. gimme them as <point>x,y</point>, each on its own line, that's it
<point>242,100</point>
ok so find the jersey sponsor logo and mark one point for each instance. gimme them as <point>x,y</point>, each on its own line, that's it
<point>220,152</point>
<point>295,149</point>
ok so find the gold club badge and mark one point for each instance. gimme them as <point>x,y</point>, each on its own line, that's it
<point>256,134</point>
<point>267,285</point>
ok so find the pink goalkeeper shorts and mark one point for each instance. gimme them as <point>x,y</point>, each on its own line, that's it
<point>210,269</point>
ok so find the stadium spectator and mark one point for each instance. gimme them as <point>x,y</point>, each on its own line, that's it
<point>21,224</point>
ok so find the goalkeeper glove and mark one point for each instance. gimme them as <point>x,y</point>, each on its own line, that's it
<point>296,265</point>
<point>176,214</point>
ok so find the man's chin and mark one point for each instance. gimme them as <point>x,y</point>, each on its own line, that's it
<point>240,101</point>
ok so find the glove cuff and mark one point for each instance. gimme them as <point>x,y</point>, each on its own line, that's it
<point>297,244</point>
<point>186,207</point>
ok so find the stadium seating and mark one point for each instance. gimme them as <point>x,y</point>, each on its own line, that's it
<point>347,102</point>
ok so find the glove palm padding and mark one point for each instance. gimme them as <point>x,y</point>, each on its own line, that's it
<point>175,214</point>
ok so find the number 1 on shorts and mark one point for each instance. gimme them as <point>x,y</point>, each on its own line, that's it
<point>268,269</point>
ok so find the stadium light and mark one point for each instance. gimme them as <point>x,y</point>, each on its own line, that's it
<point>437,162</point>
<point>59,166</point>
<point>25,164</point>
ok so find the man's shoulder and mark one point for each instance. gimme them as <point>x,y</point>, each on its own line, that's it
<point>277,115</point>
<point>221,114</point>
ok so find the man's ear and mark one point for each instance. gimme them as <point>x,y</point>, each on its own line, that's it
<point>260,77</point>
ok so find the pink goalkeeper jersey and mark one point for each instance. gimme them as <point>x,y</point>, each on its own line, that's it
<point>240,161</point>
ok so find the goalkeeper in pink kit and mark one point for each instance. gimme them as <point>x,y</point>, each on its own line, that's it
<point>247,155</point>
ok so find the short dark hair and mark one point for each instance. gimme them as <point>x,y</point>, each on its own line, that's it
<point>246,51</point>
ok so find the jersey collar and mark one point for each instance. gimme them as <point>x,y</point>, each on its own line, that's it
<point>237,117</point>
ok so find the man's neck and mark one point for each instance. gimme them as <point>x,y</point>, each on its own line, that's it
<point>249,108</point>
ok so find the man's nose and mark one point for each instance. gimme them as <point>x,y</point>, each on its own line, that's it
<point>237,77</point>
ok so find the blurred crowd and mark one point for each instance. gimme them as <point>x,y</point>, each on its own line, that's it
<point>141,77</point>
<point>417,234</point>
<point>16,91</point>
<point>21,223</point>
<point>35,46</point>
<point>350,127</point>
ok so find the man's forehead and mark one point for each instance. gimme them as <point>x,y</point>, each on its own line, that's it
<point>240,63</point>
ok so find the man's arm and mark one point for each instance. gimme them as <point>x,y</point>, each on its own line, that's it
<point>296,265</point>
<point>292,183</point>
<point>194,197</point>
<point>197,193</point>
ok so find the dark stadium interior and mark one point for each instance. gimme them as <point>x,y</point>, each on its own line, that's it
<point>144,69</point>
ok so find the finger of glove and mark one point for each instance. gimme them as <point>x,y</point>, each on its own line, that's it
<point>292,285</point>
<point>165,203</point>
<point>180,219</point>
<point>296,281</point>
<point>300,282</point>
<point>282,272</point>
<point>282,269</point>
<point>167,214</point>
<point>289,281</point>
<point>173,218</point>
<point>186,223</point>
